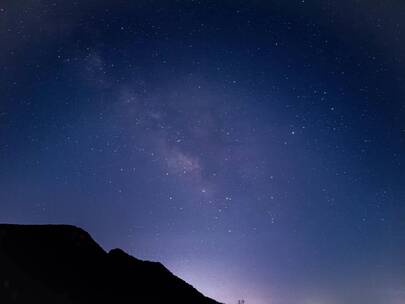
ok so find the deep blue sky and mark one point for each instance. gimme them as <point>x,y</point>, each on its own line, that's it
<point>256,148</point>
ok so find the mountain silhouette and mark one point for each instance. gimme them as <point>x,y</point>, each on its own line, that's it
<point>63,264</point>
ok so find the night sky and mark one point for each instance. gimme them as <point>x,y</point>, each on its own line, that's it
<point>256,148</point>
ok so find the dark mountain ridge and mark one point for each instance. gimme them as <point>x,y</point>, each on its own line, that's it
<point>63,264</point>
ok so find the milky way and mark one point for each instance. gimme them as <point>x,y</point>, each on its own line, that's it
<point>256,148</point>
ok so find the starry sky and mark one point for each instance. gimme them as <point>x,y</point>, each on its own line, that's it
<point>256,148</point>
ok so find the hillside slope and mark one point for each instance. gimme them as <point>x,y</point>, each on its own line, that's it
<point>63,264</point>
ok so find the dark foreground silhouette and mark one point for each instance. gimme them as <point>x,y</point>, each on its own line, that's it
<point>63,264</point>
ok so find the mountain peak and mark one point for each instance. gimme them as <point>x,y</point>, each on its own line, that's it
<point>63,264</point>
